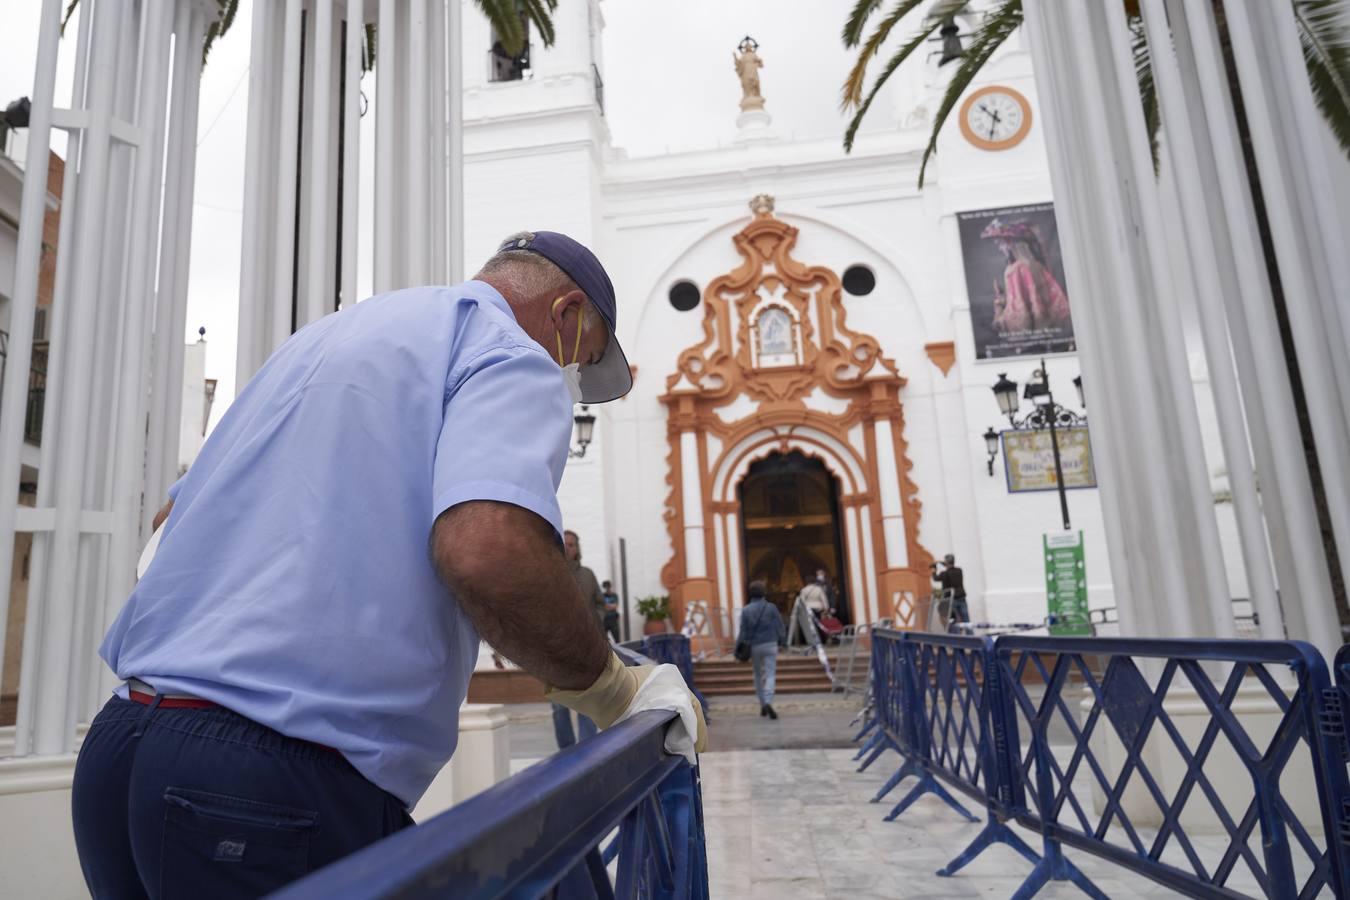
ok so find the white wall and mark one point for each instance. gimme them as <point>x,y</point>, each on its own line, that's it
<point>192,426</point>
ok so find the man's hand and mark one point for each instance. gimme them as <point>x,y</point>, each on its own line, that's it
<point>505,567</point>
<point>605,701</point>
<point>160,516</point>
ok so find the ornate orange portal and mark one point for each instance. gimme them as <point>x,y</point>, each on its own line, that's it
<point>778,371</point>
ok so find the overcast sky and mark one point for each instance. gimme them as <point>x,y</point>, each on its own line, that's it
<point>669,86</point>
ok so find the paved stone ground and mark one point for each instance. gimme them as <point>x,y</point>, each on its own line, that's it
<point>788,816</point>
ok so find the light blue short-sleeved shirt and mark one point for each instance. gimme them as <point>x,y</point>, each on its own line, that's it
<point>293,582</point>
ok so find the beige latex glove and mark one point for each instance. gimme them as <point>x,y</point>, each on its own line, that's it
<point>612,693</point>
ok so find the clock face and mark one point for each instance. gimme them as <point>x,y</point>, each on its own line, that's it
<point>995,118</point>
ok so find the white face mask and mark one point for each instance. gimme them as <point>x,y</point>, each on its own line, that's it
<point>572,378</point>
<point>571,372</point>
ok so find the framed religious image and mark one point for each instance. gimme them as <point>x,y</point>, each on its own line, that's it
<point>1029,459</point>
<point>1019,303</point>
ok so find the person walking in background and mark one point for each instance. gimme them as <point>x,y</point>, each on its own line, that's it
<point>611,603</point>
<point>953,582</point>
<point>763,629</point>
<point>590,592</point>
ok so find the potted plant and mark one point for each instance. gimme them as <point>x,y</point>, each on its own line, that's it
<point>656,610</point>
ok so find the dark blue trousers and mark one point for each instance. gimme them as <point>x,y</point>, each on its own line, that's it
<point>203,803</point>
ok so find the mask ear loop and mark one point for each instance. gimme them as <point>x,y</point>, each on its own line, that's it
<point>576,347</point>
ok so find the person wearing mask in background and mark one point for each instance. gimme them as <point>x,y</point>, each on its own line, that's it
<point>763,629</point>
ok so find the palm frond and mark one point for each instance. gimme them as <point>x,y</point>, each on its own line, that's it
<point>70,11</point>
<point>891,65</point>
<point>997,26</point>
<point>1324,31</point>
<point>218,28</point>
<point>857,18</point>
<point>506,23</point>
<point>851,93</point>
<point>540,13</point>
<point>1143,73</point>
<point>368,57</point>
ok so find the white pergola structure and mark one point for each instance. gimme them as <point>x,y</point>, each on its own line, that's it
<point>301,198</point>
<point>1116,229</point>
<point>117,337</point>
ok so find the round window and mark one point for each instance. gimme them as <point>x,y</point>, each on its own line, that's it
<point>684,295</point>
<point>859,280</point>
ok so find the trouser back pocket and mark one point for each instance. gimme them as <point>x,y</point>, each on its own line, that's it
<point>221,846</point>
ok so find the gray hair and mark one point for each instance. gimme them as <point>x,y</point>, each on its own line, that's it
<point>528,274</point>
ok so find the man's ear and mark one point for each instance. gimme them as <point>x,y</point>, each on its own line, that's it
<point>560,306</point>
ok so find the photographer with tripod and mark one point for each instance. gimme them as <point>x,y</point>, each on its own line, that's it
<point>953,583</point>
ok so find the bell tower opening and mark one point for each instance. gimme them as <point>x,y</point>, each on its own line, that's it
<point>790,528</point>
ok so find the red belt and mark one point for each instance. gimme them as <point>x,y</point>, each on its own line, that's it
<point>145,699</point>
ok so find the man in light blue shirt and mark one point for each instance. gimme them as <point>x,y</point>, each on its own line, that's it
<point>380,495</point>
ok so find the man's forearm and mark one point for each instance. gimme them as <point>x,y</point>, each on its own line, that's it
<point>514,585</point>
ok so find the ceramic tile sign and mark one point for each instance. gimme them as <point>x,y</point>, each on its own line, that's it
<point>1066,584</point>
<point>1029,459</point>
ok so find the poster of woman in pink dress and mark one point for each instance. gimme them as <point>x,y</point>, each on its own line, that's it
<point>1015,280</point>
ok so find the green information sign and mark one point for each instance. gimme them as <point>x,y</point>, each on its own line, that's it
<point>1066,584</point>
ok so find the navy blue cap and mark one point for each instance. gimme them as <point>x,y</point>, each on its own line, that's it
<point>610,378</point>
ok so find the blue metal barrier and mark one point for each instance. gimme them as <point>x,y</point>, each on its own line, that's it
<point>903,680</point>
<point>1000,722</point>
<point>674,649</point>
<point>1112,691</point>
<point>539,833</point>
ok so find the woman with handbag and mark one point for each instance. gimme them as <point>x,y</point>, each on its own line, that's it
<point>762,631</point>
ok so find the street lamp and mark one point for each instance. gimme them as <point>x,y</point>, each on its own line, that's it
<point>1045,414</point>
<point>1005,392</point>
<point>991,444</point>
<point>585,426</point>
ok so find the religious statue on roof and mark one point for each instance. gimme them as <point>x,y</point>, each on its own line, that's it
<point>748,65</point>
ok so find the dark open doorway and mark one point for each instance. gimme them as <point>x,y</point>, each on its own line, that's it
<point>790,528</point>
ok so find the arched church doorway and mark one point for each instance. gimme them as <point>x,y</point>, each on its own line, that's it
<point>790,527</point>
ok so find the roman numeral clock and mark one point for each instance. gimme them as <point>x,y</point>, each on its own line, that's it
<point>995,118</point>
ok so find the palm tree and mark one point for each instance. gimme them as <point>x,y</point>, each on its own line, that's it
<point>510,20</point>
<point>1324,31</point>
<point>1321,25</point>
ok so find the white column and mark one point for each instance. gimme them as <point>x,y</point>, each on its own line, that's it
<point>869,563</point>
<point>1119,501</point>
<point>1286,488</point>
<point>1116,215</point>
<point>256,218</point>
<point>455,145</point>
<point>173,343</point>
<point>315,302</point>
<point>719,540</point>
<point>351,149</point>
<point>417,167</point>
<point>28,257</point>
<point>1197,187</point>
<point>888,494</point>
<point>1309,240</point>
<point>691,486</point>
<point>129,453</point>
<point>52,730</point>
<point>284,200</point>
<point>386,151</point>
<point>853,550</point>
<point>734,567</point>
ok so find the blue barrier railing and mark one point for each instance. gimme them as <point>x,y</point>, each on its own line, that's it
<point>1033,727</point>
<point>539,833</point>
<point>674,649</point>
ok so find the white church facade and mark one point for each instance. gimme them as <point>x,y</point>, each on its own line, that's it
<point>876,400</point>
